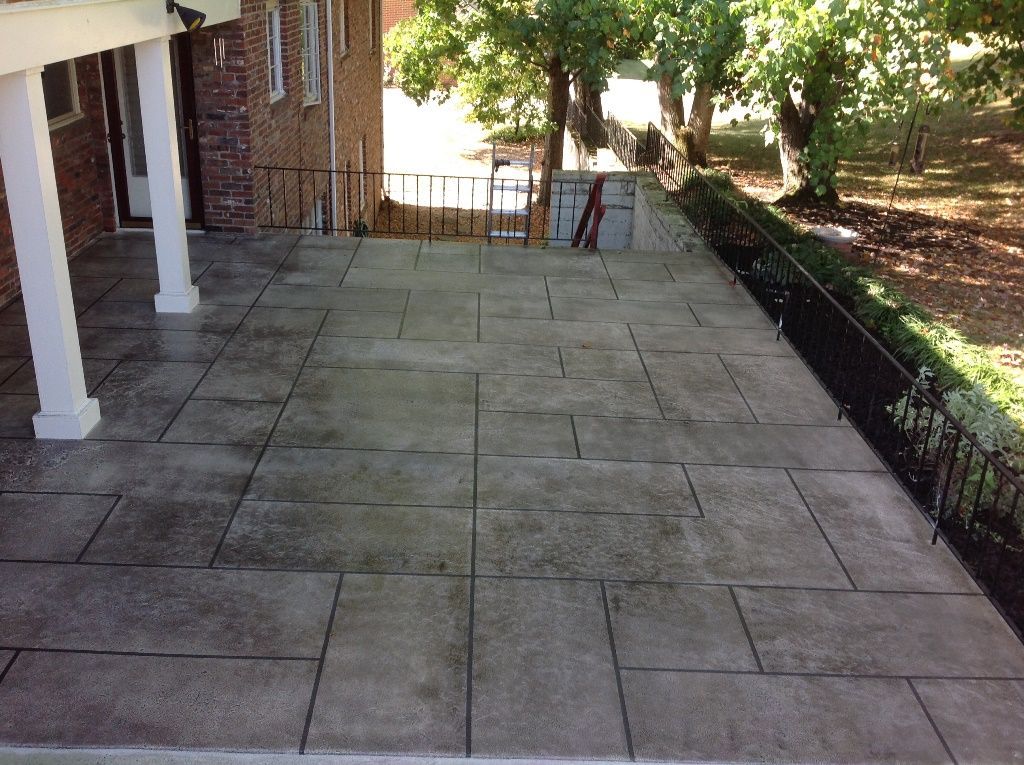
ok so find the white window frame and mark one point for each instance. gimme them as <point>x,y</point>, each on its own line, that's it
<point>275,64</point>
<point>76,107</point>
<point>309,35</point>
<point>362,175</point>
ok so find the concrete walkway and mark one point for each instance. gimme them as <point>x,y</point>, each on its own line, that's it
<point>448,500</point>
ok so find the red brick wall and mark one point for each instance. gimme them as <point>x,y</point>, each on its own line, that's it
<point>397,10</point>
<point>225,138</point>
<point>359,104</point>
<point>240,128</point>
<point>83,179</point>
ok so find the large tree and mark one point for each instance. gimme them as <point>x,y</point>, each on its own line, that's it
<point>825,70</point>
<point>693,45</point>
<point>484,47</point>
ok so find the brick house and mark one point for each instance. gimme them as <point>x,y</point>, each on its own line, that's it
<point>397,10</point>
<point>253,91</point>
<point>112,116</point>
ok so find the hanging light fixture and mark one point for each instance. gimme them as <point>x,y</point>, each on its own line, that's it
<point>191,18</point>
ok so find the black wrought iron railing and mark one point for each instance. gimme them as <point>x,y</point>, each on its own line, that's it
<point>974,500</point>
<point>417,206</point>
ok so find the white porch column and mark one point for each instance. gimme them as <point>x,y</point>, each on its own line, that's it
<point>65,410</point>
<point>160,135</point>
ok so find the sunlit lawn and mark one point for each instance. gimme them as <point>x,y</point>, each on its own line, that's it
<point>962,254</point>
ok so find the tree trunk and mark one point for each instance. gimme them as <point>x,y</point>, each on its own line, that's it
<point>673,118</point>
<point>699,126</point>
<point>589,99</point>
<point>795,125</point>
<point>558,107</point>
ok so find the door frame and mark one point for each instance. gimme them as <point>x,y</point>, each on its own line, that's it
<point>187,138</point>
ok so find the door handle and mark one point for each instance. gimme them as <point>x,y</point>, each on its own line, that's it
<point>189,128</point>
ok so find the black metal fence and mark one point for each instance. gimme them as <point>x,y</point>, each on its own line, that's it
<point>973,499</point>
<point>406,205</point>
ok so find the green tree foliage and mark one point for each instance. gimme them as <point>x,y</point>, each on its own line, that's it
<point>693,44</point>
<point>502,55</point>
<point>824,70</point>
<point>432,62</point>
<point>997,71</point>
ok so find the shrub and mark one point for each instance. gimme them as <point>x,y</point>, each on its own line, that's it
<point>906,328</point>
<point>962,476</point>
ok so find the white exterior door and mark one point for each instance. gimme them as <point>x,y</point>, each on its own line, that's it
<point>136,178</point>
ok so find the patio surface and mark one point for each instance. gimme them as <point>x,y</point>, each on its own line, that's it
<point>451,500</point>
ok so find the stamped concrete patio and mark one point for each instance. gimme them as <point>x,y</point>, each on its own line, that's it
<point>448,500</point>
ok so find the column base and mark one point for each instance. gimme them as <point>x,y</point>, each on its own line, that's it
<point>68,425</point>
<point>177,302</point>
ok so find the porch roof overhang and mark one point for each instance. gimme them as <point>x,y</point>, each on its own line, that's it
<point>40,32</point>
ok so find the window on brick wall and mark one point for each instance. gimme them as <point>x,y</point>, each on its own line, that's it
<point>309,29</point>
<point>362,174</point>
<point>275,69</point>
<point>348,194</point>
<point>343,26</point>
<point>314,224</point>
<point>374,24</point>
<point>60,93</point>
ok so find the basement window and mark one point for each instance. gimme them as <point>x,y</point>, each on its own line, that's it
<point>274,67</point>
<point>309,30</point>
<point>348,195</point>
<point>362,174</point>
<point>60,93</point>
<point>375,19</point>
<point>343,27</point>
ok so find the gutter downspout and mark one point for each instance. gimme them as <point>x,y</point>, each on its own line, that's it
<point>330,117</point>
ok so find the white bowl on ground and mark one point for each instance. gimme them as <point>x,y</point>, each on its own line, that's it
<point>838,237</point>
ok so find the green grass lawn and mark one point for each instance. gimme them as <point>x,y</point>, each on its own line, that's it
<point>974,167</point>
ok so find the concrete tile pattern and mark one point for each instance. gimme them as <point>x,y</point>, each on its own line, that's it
<point>389,497</point>
<point>882,539</point>
<point>696,386</point>
<point>441,316</point>
<point>362,324</point>
<point>380,409</point>
<point>338,537</point>
<point>531,435</point>
<point>551,395</point>
<point>16,414</point>
<point>749,718</point>
<point>49,527</point>
<point>148,610</point>
<point>141,397</point>
<point>24,379</point>
<point>603,365</point>
<point>529,483</point>
<point>223,422</point>
<point>676,627</point>
<point>874,633</point>
<point>544,680</point>
<point>394,677</point>
<point>978,719</point>
<point>97,700</point>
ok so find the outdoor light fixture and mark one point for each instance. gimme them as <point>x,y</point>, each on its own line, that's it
<point>192,19</point>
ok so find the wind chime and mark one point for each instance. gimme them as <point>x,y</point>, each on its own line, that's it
<point>917,162</point>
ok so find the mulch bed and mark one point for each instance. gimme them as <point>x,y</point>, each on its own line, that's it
<point>957,270</point>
